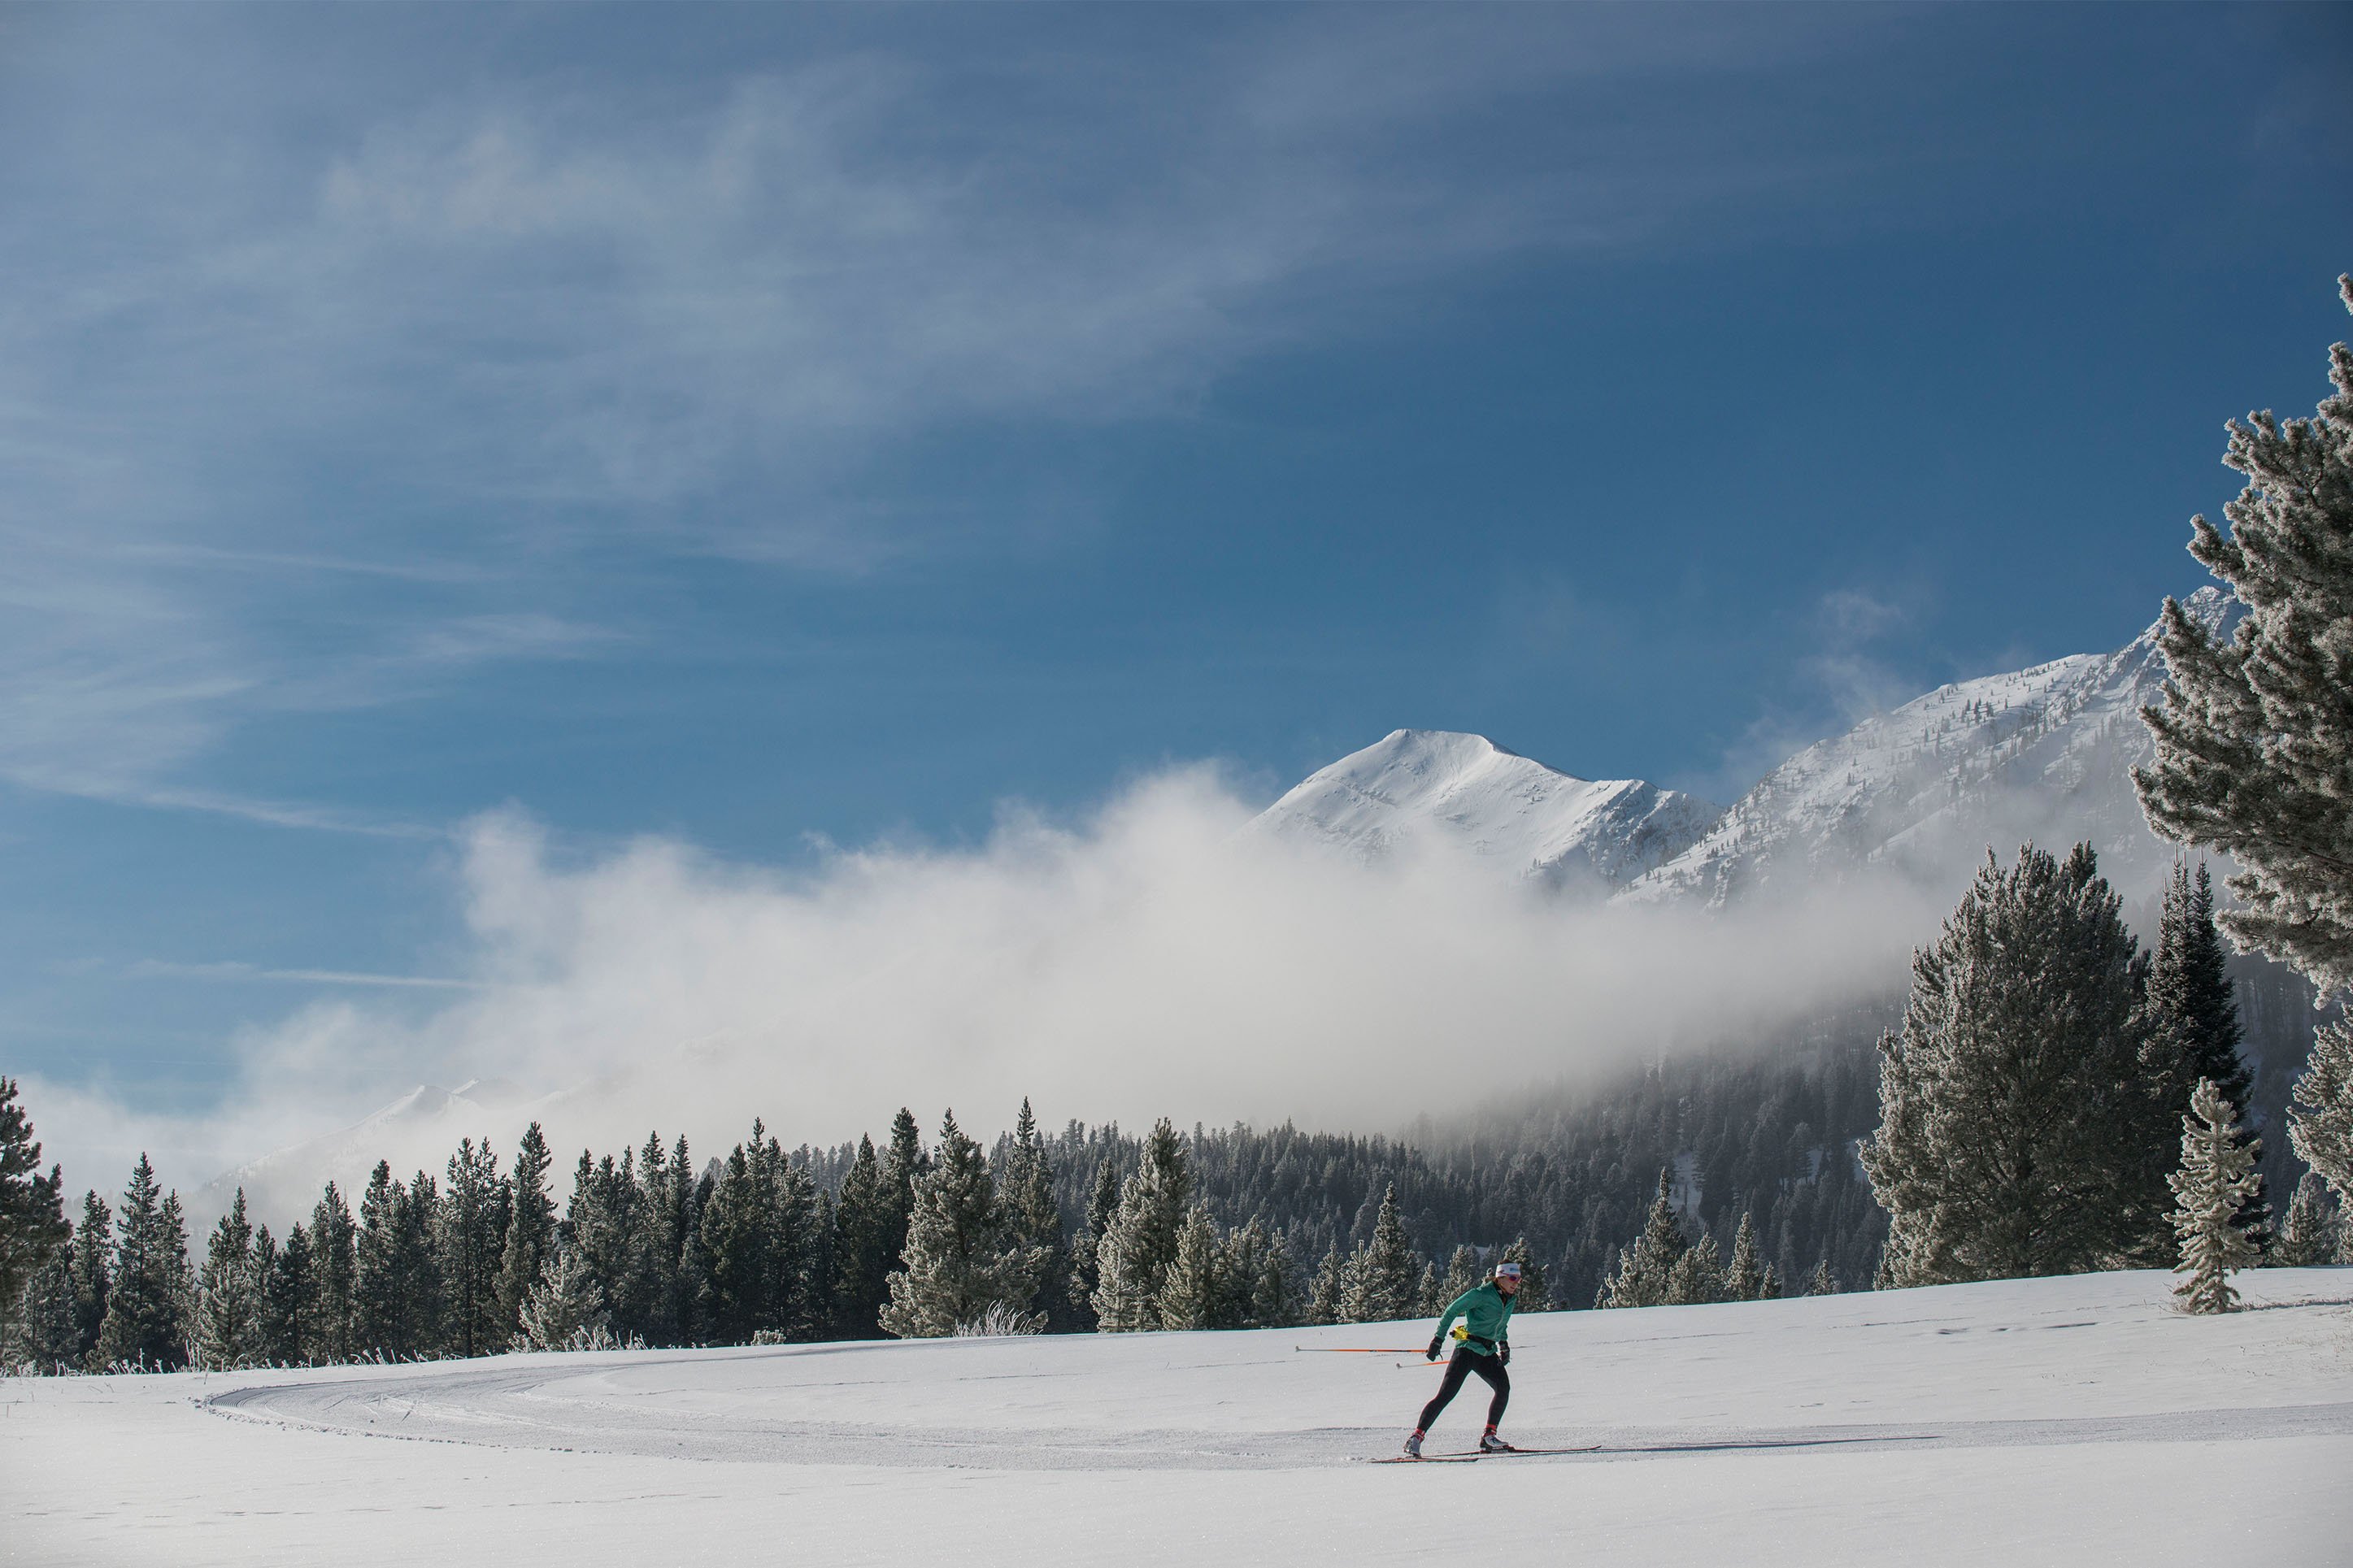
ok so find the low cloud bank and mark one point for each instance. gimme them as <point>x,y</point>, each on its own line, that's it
<point>1158,958</point>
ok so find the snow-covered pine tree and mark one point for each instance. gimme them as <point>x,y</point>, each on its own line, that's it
<point>1645,1273</point>
<point>335,1279</point>
<point>1032,1219</point>
<point>644,1303</point>
<point>645,1264</point>
<point>2309,1237</point>
<point>1743,1277</point>
<point>1697,1277</point>
<point>1103,1207</point>
<point>470,1237</point>
<point>469,1240</point>
<point>50,1341</point>
<point>397,1273</point>
<point>666,1212</point>
<point>287,1298</point>
<point>92,1259</point>
<point>861,1246</point>
<point>1463,1272</point>
<point>601,1225</point>
<point>2194,1010</point>
<point>903,1162</point>
<point>2014,1132</point>
<point>229,1296</point>
<point>428,1298</point>
<point>1193,1294</point>
<point>791,1199</point>
<point>961,1263</point>
<point>1324,1291</point>
<point>1768,1285</point>
<point>374,1290</point>
<point>564,1309</point>
<point>754,1233</point>
<point>32,1210</point>
<point>2193,1033</point>
<point>1257,1272</point>
<point>2320,1116</point>
<point>1133,1258</point>
<point>1385,1282</point>
<point>1535,1291</point>
<point>531,1225</point>
<point>2254,735</point>
<point>272,1320</point>
<point>150,1288</point>
<point>1824,1282</point>
<point>2216,1175</point>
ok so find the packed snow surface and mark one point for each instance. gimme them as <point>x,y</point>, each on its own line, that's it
<point>2069,1421</point>
<point>1425,790</point>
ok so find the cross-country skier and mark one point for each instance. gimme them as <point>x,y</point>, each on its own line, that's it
<point>1486,1312</point>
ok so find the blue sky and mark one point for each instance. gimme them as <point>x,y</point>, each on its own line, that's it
<point>767,425</point>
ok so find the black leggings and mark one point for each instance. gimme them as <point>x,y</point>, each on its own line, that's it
<point>1468,1361</point>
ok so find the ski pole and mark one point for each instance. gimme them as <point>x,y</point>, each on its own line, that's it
<point>1354,1350</point>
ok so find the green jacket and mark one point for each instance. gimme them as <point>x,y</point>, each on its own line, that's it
<point>1485,1311</point>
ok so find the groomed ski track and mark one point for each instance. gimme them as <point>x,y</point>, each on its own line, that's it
<point>2040,1421</point>
<point>617,1411</point>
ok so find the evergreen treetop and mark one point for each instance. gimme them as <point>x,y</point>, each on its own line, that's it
<point>862,1248</point>
<point>2309,1237</point>
<point>2193,1022</point>
<point>1743,1277</point>
<point>2320,1118</point>
<point>32,1208</point>
<point>92,1252</point>
<point>1645,1275</point>
<point>1384,1280</point>
<point>2195,1030</point>
<point>2254,740</point>
<point>149,1287</point>
<point>469,1235</point>
<point>229,1295</point>
<point>1136,1251</point>
<point>963,1267</point>
<point>1193,1294</point>
<point>531,1223</point>
<point>335,1279</point>
<point>2016,1131</point>
<point>2216,1177</point>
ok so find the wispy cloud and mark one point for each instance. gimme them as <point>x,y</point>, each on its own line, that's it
<point>340,394</point>
<point>240,974</point>
<point>1840,681</point>
<point>1145,961</point>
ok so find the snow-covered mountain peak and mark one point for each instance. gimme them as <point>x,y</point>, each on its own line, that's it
<point>2044,754</point>
<point>1443,789</point>
<point>423,1123</point>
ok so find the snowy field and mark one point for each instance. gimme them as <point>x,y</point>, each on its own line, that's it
<point>2052,1421</point>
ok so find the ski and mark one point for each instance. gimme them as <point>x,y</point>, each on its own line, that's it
<point>1427,1459</point>
<point>1508,1453</point>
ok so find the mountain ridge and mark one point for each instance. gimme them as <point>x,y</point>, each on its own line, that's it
<point>1450,791</point>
